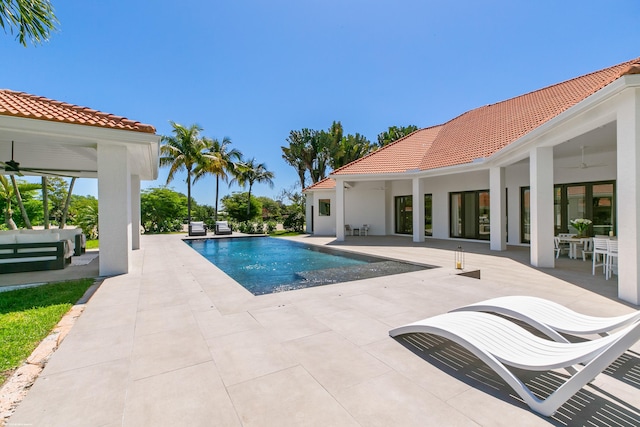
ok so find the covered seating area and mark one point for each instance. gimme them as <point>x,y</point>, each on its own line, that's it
<point>43,136</point>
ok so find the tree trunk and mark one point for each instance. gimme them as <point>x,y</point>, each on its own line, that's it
<point>25,217</point>
<point>189,196</point>
<point>8,218</point>
<point>45,201</point>
<point>67,203</point>
<point>215,214</point>
<point>249,204</point>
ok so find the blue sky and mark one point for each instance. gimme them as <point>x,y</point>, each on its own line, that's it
<point>255,70</point>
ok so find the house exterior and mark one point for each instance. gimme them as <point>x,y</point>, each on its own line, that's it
<point>516,172</point>
<point>71,140</point>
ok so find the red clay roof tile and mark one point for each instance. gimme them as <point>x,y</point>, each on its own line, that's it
<point>481,132</point>
<point>21,104</point>
<point>402,155</point>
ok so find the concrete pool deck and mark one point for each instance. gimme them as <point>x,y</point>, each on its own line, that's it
<point>177,342</point>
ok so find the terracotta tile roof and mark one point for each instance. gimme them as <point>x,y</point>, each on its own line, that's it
<point>21,104</point>
<point>325,184</point>
<point>481,132</point>
<point>402,155</point>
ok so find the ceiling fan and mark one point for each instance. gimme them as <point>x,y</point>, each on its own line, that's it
<point>583,164</point>
<point>12,166</point>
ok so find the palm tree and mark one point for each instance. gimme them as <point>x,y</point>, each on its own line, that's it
<point>219,160</point>
<point>33,19</point>
<point>182,151</point>
<point>250,172</point>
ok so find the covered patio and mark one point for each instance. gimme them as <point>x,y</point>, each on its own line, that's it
<point>51,137</point>
<point>516,172</point>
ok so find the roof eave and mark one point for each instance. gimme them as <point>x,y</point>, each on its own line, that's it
<point>519,149</point>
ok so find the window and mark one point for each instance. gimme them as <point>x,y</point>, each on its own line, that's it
<point>591,200</point>
<point>404,214</point>
<point>324,206</point>
<point>469,215</point>
<point>428,220</point>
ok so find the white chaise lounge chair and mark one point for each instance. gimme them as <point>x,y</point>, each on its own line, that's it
<point>500,343</point>
<point>550,317</point>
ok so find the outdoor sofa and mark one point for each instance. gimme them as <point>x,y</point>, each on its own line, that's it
<point>21,252</point>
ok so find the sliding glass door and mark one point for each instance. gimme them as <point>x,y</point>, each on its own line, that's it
<point>469,215</point>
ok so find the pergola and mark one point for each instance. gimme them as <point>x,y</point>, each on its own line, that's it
<point>47,135</point>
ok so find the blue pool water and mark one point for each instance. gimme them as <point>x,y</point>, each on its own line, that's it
<point>265,265</point>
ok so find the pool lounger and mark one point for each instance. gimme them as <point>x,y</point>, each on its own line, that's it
<point>550,317</point>
<point>499,343</point>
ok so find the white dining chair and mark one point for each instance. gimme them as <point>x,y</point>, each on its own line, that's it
<point>560,246</point>
<point>601,248</point>
<point>587,249</point>
<point>612,252</point>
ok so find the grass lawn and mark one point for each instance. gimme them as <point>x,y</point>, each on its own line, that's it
<point>28,315</point>
<point>285,233</point>
<point>92,244</point>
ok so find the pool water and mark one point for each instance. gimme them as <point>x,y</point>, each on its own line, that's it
<point>266,265</point>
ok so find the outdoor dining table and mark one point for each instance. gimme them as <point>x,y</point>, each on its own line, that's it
<point>574,241</point>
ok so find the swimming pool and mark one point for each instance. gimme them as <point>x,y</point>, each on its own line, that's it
<point>265,265</point>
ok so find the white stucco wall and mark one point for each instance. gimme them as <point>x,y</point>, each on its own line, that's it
<point>323,225</point>
<point>365,204</point>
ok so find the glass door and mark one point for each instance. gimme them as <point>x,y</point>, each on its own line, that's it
<point>404,214</point>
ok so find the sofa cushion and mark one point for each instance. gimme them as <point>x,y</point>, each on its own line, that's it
<point>37,238</point>
<point>7,239</point>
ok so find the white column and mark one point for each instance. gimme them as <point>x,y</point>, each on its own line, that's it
<point>498,209</point>
<point>339,210</point>
<point>628,199</point>
<point>308,212</point>
<point>418,210</point>
<point>135,212</point>
<point>114,209</point>
<point>542,229</point>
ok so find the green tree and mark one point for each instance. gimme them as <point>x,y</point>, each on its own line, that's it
<point>394,133</point>
<point>57,196</point>
<point>219,160</point>
<point>294,155</point>
<point>310,151</point>
<point>294,212</point>
<point>239,206</point>
<point>33,20</point>
<point>349,149</point>
<point>271,209</point>
<point>250,172</point>
<point>162,210</point>
<point>84,212</point>
<point>183,151</point>
<point>8,199</point>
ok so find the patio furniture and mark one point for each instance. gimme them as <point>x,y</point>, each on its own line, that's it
<point>560,246</point>
<point>348,230</point>
<point>364,230</point>
<point>550,317</point>
<point>222,227</point>
<point>600,250</point>
<point>197,228</point>
<point>587,249</point>
<point>500,343</point>
<point>21,252</point>
<point>612,253</point>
